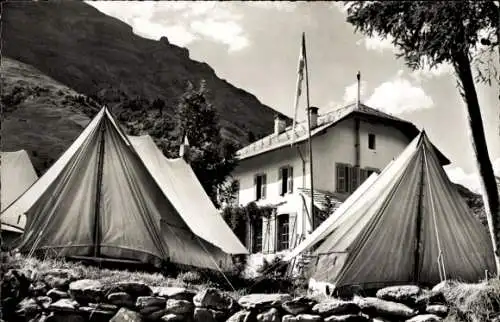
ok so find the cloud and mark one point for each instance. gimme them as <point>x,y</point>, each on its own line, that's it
<point>469,180</point>
<point>286,6</point>
<point>378,43</point>
<point>399,96</point>
<point>351,92</point>
<point>182,22</point>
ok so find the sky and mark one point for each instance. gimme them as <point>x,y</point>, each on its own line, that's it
<point>255,46</point>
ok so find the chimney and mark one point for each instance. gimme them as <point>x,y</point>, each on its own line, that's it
<point>279,124</point>
<point>313,116</point>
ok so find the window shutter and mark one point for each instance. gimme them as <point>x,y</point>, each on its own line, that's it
<point>263,192</point>
<point>280,181</point>
<point>256,187</point>
<point>340,178</point>
<point>290,180</point>
<point>354,178</point>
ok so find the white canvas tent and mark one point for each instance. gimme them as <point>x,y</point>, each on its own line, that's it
<point>117,197</point>
<point>406,225</point>
<point>17,175</point>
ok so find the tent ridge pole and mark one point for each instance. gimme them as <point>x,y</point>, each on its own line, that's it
<point>96,233</point>
<point>418,230</point>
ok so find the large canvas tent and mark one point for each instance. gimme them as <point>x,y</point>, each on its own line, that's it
<point>116,196</point>
<point>17,175</point>
<point>407,225</point>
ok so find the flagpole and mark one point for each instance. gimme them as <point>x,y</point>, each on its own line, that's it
<point>309,131</point>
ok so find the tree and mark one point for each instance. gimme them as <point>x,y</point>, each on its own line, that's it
<point>212,157</point>
<point>437,32</point>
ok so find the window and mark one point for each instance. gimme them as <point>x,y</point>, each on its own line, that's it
<point>343,177</point>
<point>260,186</point>
<point>257,236</point>
<point>283,232</point>
<point>286,178</point>
<point>371,141</point>
<point>365,173</point>
<point>236,192</point>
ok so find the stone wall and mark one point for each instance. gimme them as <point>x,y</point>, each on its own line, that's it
<point>63,296</point>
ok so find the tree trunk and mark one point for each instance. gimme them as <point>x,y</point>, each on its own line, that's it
<point>476,131</point>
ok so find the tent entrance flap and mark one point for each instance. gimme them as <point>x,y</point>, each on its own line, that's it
<point>100,159</point>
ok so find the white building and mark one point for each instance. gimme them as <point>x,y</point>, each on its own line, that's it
<point>348,144</point>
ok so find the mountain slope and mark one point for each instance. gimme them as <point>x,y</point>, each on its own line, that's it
<point>100,56</point>
<point>39,114</point>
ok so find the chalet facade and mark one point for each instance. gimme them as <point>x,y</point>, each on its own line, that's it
<point>348,144</point>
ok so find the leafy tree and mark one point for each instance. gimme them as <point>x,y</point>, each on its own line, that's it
<point>212,157</point>
<point>441,32</point>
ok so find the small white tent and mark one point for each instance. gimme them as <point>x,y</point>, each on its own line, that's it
<point>407,225</point>
<point>17,175</point>
<point>116,197</point>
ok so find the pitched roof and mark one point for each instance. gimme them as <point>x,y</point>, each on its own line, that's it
<point>322,198</point>
<point>273,142</point>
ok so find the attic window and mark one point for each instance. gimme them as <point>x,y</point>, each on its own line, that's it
<point>371,141</point>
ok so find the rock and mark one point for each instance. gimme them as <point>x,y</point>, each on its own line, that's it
<point>145,301</point>
<point>64,305</point>
<point>425,318</point>
<point>437,309</point>
<point>44,301</point>
<point>203,315</point>
<point>348,318</point>
<point>302,318</point>
<point>262,301</point>
<point>65,317</point>
<point>430,297</point>
<point>121,299</point>
<point>39,318</point>
<point>443,286</point>
<point>38,289</point>
<point>86,291</point>
<point>126,315</point>
<point>157,315</point>
<point>179,306</point>
<point>378,307</point>
<point>299,305</point>
<point>271,315</point>
<point>135,289</point>
<point>28,307</point>
<point>173,317</point>
<point>335,306</point>
<point>151,309</point>
<point>240,316</point>
<point>55,294</point>
<point>176,293</point>
<point>57,282</point>
<point>214,299</point>
<point>406,294</point>
<point>97,313</point>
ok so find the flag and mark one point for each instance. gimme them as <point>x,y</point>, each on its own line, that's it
<point>300,78</point>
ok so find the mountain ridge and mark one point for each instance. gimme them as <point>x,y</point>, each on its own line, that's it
<point>100,56</point>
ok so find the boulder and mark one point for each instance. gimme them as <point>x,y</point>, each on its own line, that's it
<point>121,299</point>
<point>263,301</point>
<point>38,288</point>
<point>104,306</point>
<point>145,311</point>
<point>179,306</point>
<point>425,318</point>
<point>44,301</point>
<point>28,307</point>
<point>176,293</point>
<point>157,315</point>
<point>98,314</point>
<point>135,289</point>
<point>56,294</point>
<point>126,315</point>
<point>214,299</point>
<point>437,309</point>
<point>240,316</point>
<point>86,291</point>
<point>378,307</point>
<point>440,287</point>
<point>64,305</point>
<point>298,305</point>
<point>302,318</point>
<point>59,283</point>
<point>64,317</point>
<point>430,297</point>
<point>335,306</point>
<point>270,315</point>
<point>406,294</point>
<point>146,301</point>
<point>202,314</point>
<point>348,318</point>
<point>170,317</point>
